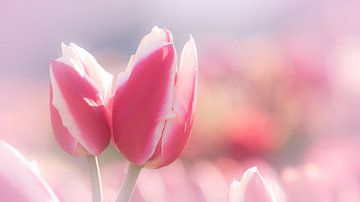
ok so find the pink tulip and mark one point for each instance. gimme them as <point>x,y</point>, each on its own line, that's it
<point>79,93</point>
<point>154,102</point>
<point>19,179</point>
<point>251,187</point>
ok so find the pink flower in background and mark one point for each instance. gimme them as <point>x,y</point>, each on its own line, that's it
<point>251,187</point>
<point>329,171</point>
<point>154,102</point>
<point>252,131</point>
<point>19,179</point>
<point>80,89</point>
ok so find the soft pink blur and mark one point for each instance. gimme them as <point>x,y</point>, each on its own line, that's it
<point>20,179</point>
<point>278,89</point>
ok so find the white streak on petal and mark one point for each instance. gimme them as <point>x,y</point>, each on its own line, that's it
<point>71,58</point>
<point>34,166</point>
<point>234,192</point>
<point>155,39</point>
<point>156,36</point>
<point>171,115</point>
<point>92,102</point>
<point>101,78</point>
<point>60,104</point>
<point>187,79</point>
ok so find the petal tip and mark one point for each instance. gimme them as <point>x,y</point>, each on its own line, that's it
<point>253,169</point>
<point>63,45</point>
<point>190,48</point>
<point>155,29</point>
<point>191,38</point>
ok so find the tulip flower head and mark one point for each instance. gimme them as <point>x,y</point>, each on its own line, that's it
<point>79,93</point>
<point>154,101</point>
<point>251,187</point>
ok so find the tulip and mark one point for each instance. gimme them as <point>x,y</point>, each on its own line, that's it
<point>153,105</point>
<point>79,96</point>
<point>20,179</point>
<point>251,187</point>
<point>154,101</point>
<point>80,90</point>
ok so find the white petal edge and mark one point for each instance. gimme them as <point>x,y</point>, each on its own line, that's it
<point>101,78</point>
<point>155,39</point>
<point>238,189</point>
<point>187,73</point>
<point>66,118</point>
<point>70,57</point>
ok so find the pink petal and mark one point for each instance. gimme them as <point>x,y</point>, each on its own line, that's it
<point>18,179</point>
<point>177,129</point>
<point>80,106</point>
<point>61,133</point>
<point>186,83</point>
<point>252,187</point>
<point>98,76</point>
<point>142,104</point>
<point>154,40</point>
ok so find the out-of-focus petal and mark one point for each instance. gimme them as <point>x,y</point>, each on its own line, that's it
<point>151,186</point>
<point>210,181</point>
<point>252,187</point>
<point>18,179</point>
<point>178,184</point>
<point>143,103</point>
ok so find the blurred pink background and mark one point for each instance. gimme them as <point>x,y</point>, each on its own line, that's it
<point>279,87</point>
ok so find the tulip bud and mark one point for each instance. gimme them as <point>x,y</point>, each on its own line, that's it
<point>20,181</point>
<point>79,93</point>
<point>252,187</point>
<point>154,101</point>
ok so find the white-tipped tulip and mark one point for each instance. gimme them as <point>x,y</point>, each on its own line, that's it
<point>252,187</point>
<point>154,101</point>
<point>79,93</point>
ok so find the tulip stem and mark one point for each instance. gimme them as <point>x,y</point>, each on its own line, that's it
<point>97,192</point>
<point>127,188</point>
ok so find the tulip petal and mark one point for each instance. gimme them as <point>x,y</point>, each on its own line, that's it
<point>61,133</point>
<point>252,187</point>
<point>101,78</point>
<point>186,82</point>
<point>154,40</point>
<point>80,107</point>
<point>151,41</point>
<point>177,129</point>
<point>18,179</point>
<point>142,104</point>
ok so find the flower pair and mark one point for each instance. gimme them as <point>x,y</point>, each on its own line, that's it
<point>150,113</point>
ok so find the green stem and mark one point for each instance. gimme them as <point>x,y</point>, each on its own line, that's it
<point>97,192</point>
<point>127,188</point>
